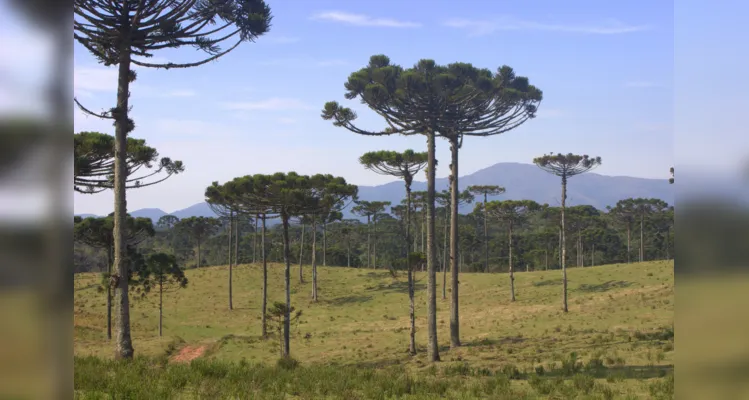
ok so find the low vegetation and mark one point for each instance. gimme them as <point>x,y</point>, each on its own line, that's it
<point>616,341</point>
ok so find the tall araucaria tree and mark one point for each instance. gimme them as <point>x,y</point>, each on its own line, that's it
<point>405,166</point>
<point>644,208</point>
<point>99,232</point>
<point>565,167</point>
<point>291,195</point>
<point>486,191</point>
<point>198,228</point>
<point>224,205</point>
<point>433,100</point>
<point>371,209</point>
<point>115,32</point>
<point>163,273</point>
<point>624,213</point>
<point>445,198</point>
<point>328,217</point>
<point>93,164</point>
<point>167,223</point>
<point>513,213</point>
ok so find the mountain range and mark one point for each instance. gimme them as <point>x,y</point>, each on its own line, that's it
<point>522,181</point>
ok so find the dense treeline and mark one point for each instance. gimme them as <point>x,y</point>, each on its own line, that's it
<point>596,237</point>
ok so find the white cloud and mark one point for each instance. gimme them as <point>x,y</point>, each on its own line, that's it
<point>287,121</point>
<point>486,27</point>
<point>363,20</point>
<point>272,104</point>
<point>642,84</point>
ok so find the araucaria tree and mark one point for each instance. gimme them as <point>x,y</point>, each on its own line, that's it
<point>198,228</point>
<point>624,213</point>
<point>98,232</point>
<point>371,209</point>
<point>405,166</point>
<point>434,100</point>
<point>513,213</point>
<point>117,31</point>
<point>224,205</point>
<point>93,163</point>
<point>163,273</point>
<point>292,195</point>
<point>445,199</point>
<point>565,167</point>
<point>486,191</point>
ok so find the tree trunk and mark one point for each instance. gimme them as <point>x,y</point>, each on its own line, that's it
<point>231,224</point>
<point>198,253</point>
<point>301,255</point>
<point>109,293</point>
<point>265,281</point>
<point>432,346</point>
<point>423,232</point>
<point>161,301</point>
<point>287,273</point>
<point>486,236</point>
<point>560,246</point>
<point>564,246</point>
<point>124,343</point>
<point>629,234</point>
<point>512,274</point>
<point>314,258</point>
<point>236,241</point>
<point>642,243</point>
<point>369,241</point>
<point>324,243</point>
<point>411,305</point>
<point>454,250</point>
<point>374,241</point>
<point>444,257</point>
<point>254,240</point>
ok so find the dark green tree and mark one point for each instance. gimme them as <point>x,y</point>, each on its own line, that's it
<point>223,204</point>
<point>565,167</point>
<point>329,217</point>
<point>167,223</point>
<point>163,273</point>
<point>372,210</point>
<point>445,199</point>
<point>623,213</point>
<point>115,32</point>
<point>99,233</point>
<point>645,208</point>
<point>486,191</point>
<point>93,163</point>
<point>514,213</point>
<point>198,228</point>
<point>405,166</point>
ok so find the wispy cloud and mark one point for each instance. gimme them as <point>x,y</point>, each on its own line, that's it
<point>642,84</point>
<point>363,20</point>
<point>296,62</point>
<point>280,39</point>
<point>477,27</point>
<point>272,104</point>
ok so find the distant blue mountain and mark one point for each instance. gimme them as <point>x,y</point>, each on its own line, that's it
<point>522,181</point>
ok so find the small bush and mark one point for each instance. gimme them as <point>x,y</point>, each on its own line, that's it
<point>287,363</point>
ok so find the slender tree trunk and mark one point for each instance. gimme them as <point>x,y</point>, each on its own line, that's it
<point>564,246</point>
<point>486,236</point>
<point>265,280</point>
<point>444,257</point>
<point>432,346</point>
<point>629,234</point>
<point>374,241</point>
<point>124,344</point>
<point>423,232</point>
<point>560,246</point>
<point>642,243</point>
<point>161,301</point>
<point>109,293</point>
<point>411,305</point>
<point>314,258</point>
<point>369,241</point>
<point>287,273</point>
<point>301,256</point>
<point>231,223</point>
<point>324,243</point>
<point>454,249</point>
<point>254,240</point>
<point>512,274</point>
<point>236,241</point>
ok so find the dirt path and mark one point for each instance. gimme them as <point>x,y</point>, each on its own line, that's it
<point>189,353</point>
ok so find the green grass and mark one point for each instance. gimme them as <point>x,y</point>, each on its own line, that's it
<point>615,342</point>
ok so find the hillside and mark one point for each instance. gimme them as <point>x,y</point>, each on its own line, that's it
<point>621,315</point>
<point>522,181</point>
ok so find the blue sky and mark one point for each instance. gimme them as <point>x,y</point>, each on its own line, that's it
<point>606,69</point>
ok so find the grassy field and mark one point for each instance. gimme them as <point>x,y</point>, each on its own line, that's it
<point>615,342</point>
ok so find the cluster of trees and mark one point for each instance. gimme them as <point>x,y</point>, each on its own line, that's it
<point>452,102</point>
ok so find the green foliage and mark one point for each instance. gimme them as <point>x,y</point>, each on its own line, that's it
<point>276,315</point>
<point>162,272</point>
<point>93,164</point>
<point>402,165</point>
<point>566,165</point>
